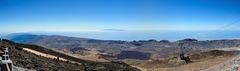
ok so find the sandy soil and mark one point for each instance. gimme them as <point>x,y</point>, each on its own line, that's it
<point>43,54</point>
<point>47,55</point>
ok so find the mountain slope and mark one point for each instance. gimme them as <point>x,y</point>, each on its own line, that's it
<point>200,61</point>
<point>22,58</point>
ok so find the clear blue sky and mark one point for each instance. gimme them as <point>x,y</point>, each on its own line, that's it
<point>116,15</point>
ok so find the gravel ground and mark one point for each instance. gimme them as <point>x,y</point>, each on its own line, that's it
<point>22,69</point>
<point>227,65</point>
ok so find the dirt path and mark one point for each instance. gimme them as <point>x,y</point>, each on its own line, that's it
<point>43,54</point>
<point>47,55</point>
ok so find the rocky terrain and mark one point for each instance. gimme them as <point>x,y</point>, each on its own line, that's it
<point>85,46</point>
<point>28,60</point>
<point>214,60</point>
<point>147,55</point>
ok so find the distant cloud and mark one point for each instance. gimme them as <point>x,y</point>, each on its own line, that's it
<point>113,30</point>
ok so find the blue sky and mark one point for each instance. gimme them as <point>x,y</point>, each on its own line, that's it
<point>140,16</point>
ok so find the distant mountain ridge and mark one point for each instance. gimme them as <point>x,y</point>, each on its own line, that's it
<point>35,39</point>
<point>23,38</point>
